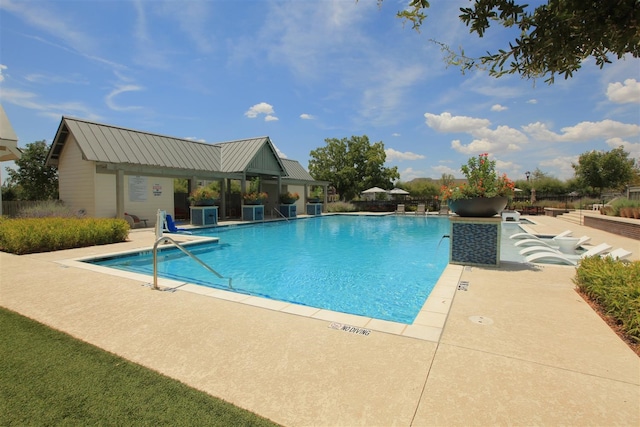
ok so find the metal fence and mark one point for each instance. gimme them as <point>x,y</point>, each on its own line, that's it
<point>11,208</point>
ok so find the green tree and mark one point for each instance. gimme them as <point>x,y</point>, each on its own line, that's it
<point>9,191</point>
<point>36,180</point>
<point>422,188</point>
<point>180,185</point>
<point>544,183</point>
<point>352,165</point>
<point>553,38</point>
<point>599,170</point>
<point>447,179</point>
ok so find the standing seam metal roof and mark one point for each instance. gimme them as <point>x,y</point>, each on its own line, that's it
<point>116,145</point>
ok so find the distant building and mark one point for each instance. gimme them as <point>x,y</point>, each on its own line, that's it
<point>8,144</point>
<point>105,170</point>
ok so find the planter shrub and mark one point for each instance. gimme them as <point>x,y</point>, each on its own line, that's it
<point>615,286</point>
<point>341,207</point>
<point>30,235</point>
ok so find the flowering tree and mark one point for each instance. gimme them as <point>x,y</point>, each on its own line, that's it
<point>482,181</point>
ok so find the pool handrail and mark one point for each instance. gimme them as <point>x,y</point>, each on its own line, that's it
<point>186,252</point>
<point>280,213</point>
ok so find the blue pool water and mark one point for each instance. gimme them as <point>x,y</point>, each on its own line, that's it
<point>375,266</point>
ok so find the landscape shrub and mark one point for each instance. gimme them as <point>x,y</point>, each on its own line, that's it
<point>47,209</point>
<point>30,235</point>
<point>623,207</point>
<point>340,207</point>
<point>615,286</point>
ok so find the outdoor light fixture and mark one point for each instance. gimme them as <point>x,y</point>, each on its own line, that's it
<point>527,174</point>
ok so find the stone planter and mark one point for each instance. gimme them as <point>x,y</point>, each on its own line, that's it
<point>481,207</point>
<point>205,202</point>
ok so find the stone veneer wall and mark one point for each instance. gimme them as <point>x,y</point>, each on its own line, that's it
<point>627,228</point>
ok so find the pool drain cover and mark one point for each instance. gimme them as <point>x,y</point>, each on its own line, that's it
<point>481,320</point>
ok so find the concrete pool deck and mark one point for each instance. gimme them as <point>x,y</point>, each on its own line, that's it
<point>519,347</point>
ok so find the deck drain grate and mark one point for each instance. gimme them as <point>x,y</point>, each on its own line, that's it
<point>463,286</point>
<point>481,320</point>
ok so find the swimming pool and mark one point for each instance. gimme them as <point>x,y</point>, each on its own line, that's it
<point>382,267</point>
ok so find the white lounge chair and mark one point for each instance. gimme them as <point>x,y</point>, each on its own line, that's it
<point>537,248</point>
<point>567,259</point>
<point>619,254</point>
<point>400,209</point>
<point>565,233</point>
<point>421,210</point>
<point>536,242</point>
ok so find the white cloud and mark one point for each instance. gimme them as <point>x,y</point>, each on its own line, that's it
<point>445,122</point>
<point>532,101</point>
<point>633,148</point>
<point>2,68</point>
<point>562,165</point>
<point>624,93</point>
<point>306,116</point>
<point>475,146</point>
<point>503,138</point>
<point>196,139</point>
<point>409,173</point>
<point>30,101</point>
<point>52,79</point>
<point>583,131</point>
<point>192,17</point>
<point>280,153</point>
<point>398,155</point>
<point>498,107</point>
<point>110,101</point>
<point>47,19</point>
<point>396,134</point>
<point>440,169</point>
<point>261,108</point>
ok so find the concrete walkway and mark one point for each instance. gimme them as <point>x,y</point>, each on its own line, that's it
<point>519,347</point>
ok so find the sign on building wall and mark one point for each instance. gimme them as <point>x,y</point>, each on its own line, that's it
<point>137,188</point>
<point>157,190</point>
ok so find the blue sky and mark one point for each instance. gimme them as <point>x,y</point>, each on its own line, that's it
<point>301,72</point>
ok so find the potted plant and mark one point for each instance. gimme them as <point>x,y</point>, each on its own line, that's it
<point>484,194</point>
<point>289,198</point>
<point>203,196</point>
<point>316,195</point>
<point>255,198</point>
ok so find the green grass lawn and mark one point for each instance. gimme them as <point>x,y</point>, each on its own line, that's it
<point>50,378</point>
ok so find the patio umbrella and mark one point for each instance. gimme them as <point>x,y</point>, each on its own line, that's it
<point>398,191</point>
<point>373,190</point>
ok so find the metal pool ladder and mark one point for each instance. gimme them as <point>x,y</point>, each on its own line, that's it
<point>186,252</point>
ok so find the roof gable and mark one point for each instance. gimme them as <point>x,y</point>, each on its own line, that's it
<point>257,155</point>
<point>116,145</point>
<point>127,148</point>
<point>8,139</point>
<point>295,171</point>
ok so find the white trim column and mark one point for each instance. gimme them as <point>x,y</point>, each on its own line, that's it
<point>120,193</point>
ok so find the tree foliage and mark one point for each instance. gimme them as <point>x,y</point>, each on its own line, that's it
<point>599,170</point>
<point>424,188</point>
<point>352,165</point>
<point>554,38</point>
<point>36,180</point>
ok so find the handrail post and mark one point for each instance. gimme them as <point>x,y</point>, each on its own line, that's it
<point>280,213</point>
<point>186,252</point>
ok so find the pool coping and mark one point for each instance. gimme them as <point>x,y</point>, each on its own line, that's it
<point>428,324</point>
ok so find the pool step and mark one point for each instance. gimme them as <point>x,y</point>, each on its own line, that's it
<point>574,217</point>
